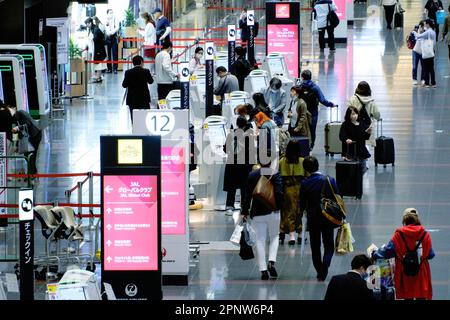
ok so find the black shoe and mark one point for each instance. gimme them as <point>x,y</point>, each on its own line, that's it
<point>389,28</point>
<point>291,242</point>
<point>281,237</point>
<point>264,275</point>
<point>109,71</point>
<point>272,271</point>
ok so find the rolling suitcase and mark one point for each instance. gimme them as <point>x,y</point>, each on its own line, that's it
<point>384,149</point>
<point>304,145</point>
<point>333,144</point>
<point>349,178</point>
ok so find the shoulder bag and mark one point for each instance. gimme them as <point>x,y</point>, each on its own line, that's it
<point>24,145</point>
<point>333,209</point>
<point>332,18</point>
<point>427,48</point>
<point>264,192</point>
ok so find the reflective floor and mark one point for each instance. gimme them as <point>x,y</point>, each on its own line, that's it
<point>417,118</point>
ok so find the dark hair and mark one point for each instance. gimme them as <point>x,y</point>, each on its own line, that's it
<point>137,60</point>
<point>430,22</point>
<point>349,112</point>
<point>241,122</point>
<point>411,217</point>
<point>259,100</point>
<point>306,75</point>
<point>421,23</point>
<point>275,83</point>
<point>198,49</point>
<point>88,20</point>
<point>292,151</point>
<point>240,51</point>
<point>167,44</point>
<point>361,260</point>
<point>311,164</point>
<point>148,18</point>
<point>297,90</point>
<point>221,69</point>
<point>109,10</point>
<point>363,89</point>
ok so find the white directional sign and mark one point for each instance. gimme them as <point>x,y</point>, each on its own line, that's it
<point>26,205</point>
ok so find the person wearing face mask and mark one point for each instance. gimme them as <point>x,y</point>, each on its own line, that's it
<point>351,286</point>
<point>354,131</point>
<point>298,115</point>
<point>165,76</point>
<point>196,62</point>
<point>112,38</point>
<point>276,99</point>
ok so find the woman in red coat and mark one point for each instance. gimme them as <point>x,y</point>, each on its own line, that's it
<point>410,287</point>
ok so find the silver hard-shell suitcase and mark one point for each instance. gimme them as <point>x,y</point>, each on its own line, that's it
<point>333,145</point>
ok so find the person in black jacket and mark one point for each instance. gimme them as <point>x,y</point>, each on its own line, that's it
<point>245,29</point>
<point>24,123</point>
<point>242,67</point>
<point>318,226</point>
<point>98,38</point>
<point>351,286</point>
<point>354,132</point>
<point>136,81</point>
<point>6,121</point>
<point>264,219</point>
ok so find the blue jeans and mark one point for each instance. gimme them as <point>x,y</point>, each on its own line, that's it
<point>416,58</point>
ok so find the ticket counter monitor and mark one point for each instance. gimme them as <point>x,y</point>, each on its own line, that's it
<point>36,76</point>
<point>197,97</point>
<point>212,169</point>
<point>275,64</point>
<point>256,81</point>
<point>173,99</point>
<point>231,101</point>
<point>77,284</point>
<point>14,81</point>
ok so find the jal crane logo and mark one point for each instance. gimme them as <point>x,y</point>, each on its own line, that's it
<point>232,33</point>
<point>185,72</point>
<point>27,205</point>
<point>210,51</point>
<point>251,17</point>
<point>131,290</point>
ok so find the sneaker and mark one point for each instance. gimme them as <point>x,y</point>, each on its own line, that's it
<point>229,212</point>
<point>271,268</point>
<point>414,82</point>
<point>422,82</point>
<point>264,275</point>
<point>434,86</point>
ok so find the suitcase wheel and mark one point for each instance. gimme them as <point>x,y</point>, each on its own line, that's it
<point>332,154</point>
<point>393,165</point>
<point>376,164</point>
<point>327,154</point>
<point>384,166</point>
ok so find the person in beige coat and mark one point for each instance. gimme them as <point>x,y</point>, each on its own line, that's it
<point>363,96</point>
<point>298,115</point>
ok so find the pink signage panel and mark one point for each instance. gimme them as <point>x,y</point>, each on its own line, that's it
<point>173,184</point>
<point>284,38</point>
<point>130,223</point>
<point>341,9</point>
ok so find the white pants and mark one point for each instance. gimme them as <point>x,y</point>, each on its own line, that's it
<point>262,224</point>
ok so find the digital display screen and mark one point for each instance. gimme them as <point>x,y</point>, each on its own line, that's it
<point>284,38</point>
<point>174,103</point>
<point>276,66</point>
<point>74,293</point>
<point>201,84</point>
<point>217,134</point>
<point>130,222</point>
<point>173,202</point>
<point>129,151</point>
<point>258,83</point>
<point>282,11</point>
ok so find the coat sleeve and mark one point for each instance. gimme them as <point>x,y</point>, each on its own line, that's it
<point>278,188</point>
<point>385,252</point>
<point>149,77</point>
<point>248,196</point>
<point>343,132</point>
<point>282,105</point>
<point>330,294</point>
<point>374,112</point>
<point>125,81</point>
<point>301,112</point>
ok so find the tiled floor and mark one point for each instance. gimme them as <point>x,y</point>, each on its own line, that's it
<point>417,118</point>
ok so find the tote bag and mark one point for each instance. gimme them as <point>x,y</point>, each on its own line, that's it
<point>427,49</point>
<point>418,47</point>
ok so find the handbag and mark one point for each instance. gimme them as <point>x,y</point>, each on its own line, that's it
<point>333,210</point>
<point>440,16</point>
<point>237,233</point>
<point>245,251</point>
<point>344,239</point>
<point>24,145</point>
<point>264,192</point>
<point>332,18</point>
<point>249,233</point>
<point>427,49</point>
<point>418,47</point>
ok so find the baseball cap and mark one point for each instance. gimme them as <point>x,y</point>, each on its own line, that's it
<point>156,10</point>
<point>411,211</point>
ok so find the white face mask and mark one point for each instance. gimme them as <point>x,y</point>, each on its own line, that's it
<point>273,90</point>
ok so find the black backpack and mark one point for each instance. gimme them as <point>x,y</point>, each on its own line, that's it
<point>310,97</point>
<point>411,261</point>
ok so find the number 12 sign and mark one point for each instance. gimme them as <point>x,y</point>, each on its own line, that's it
<point>161,123</point>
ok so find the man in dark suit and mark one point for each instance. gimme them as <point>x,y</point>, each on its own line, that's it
<point>136,81</point>
<point>351,286</point>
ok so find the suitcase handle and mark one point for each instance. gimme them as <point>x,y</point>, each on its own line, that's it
<point>354,149</point>
<point>378,127</point>
<point>337,113</point>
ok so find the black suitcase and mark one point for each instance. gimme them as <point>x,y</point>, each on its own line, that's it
<point>398,20</point>
<point>304,145</point>
<point>384,149</point>
<point>349,178</point>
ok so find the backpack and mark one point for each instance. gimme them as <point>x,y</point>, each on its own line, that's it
<point>310,97</point>
<point>364,116</point>
<point>411,261</point>
<point>410,41</point>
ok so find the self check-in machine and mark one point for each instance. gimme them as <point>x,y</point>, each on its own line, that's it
<point>256,81</point>
<point>231,101</point>
<point>77,284</point>
<point>212,168</point>
<point>173,99</point>
<point>12,69</point>
<point>197,97</point>
<point>221,60</point>
<point>275,64</point>
<point>36,75</point>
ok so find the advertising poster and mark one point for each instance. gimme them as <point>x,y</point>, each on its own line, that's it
<point>130,223</point>
<point>173,185</point>
<point>285,39</point>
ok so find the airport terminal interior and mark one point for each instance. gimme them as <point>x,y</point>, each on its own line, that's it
<point>416,117</point>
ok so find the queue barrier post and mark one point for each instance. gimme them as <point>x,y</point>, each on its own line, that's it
<point>91,199</point>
